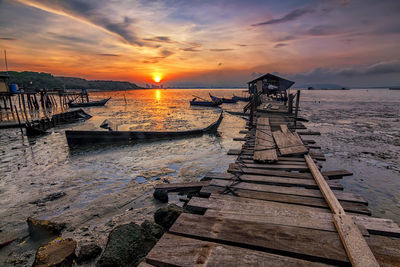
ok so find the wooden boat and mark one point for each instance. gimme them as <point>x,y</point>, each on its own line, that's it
<point>224,100</point>
<point>239,98</point>
<point>88,104</point>
<point>77,138</point>
<point>205,103</point>
<point>40,127</point>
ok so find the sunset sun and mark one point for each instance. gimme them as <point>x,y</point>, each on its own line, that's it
<point>157,78</point>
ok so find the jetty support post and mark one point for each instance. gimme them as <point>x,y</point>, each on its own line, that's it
<point>297,107</point>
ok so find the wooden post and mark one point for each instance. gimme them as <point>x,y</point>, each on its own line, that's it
<point>297,108</point>
<point>19,121</point>
<point>290,109</point>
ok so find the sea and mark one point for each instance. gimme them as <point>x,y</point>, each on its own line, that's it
<point>105,185</point>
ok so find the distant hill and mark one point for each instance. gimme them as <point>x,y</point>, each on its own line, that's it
<point>79,83</point>
<point>41,80</point>
<point>321,86</point>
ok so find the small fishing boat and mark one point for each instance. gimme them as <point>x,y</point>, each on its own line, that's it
<point>88,104</point>
<point>224,100</point>
<point>41,126</point>
<point>204,103</point>
<point>76,138</point>
<point>239,98</point>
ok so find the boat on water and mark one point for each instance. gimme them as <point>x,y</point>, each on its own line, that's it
<point>40,127</point>
<point>394,88</point>
<point>240,98</point>
<point>88,104</point>
<point>204,103</point>
<point>81,138</point>
<point>223,100</point>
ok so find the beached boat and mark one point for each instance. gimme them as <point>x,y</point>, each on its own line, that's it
<point>41,126</point>
<point>89,104</point>
<point>205,103</point>
<point>223,100</point>
<point>79,138</point>
<point>240,98</point>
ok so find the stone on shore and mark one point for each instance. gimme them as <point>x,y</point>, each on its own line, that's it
<point>40,229</point>
<point>161,195</point>
<point>153,229</point>
<point>88,252</point>
<point>166,216</point>
<point>127,245</point>
<point>59,252</point>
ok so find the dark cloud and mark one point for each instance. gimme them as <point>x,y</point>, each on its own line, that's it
<point>242,45</point>
<point>220,64</point>
<point>280,45</point>
<point>8,39</point>
<point>221,49</point>
<point>108,55</point>
<point>191,49</point>
<point>166,53</point>
<point>320,30</point>
<point>294,14</point>
<point>162,39</point>
<point>286,38</point>
<point>85,11</point>
<point>69,38</point>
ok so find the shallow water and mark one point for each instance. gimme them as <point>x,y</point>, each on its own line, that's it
<point>108,185</point>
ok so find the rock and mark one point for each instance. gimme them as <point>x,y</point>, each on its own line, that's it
<point>127,245</point>
<point>88,252</point>
<point>39,229</point>
<point>153,229</point>
<point>59,252</point>
<point>161,195</point>
<point>166,216</point>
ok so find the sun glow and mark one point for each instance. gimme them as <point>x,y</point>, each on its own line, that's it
<point>158,95</point>
<point>157,78</point>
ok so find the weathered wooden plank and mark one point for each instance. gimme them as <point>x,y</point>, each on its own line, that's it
<point>273,180</point>
<point>356,246</point>
<point>234,167</point>
<point>173,250</point>
<point>309,133</point>
<point>336,174</point>
<point>145,264</point>
<point>295,241</point>
<point>287,190</point>
<point>181,186</point>
<point>288,143</point>
<point>305,201</point>
<point>264,147</point>
<point>293,167</point>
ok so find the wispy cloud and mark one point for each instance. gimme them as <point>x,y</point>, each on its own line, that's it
<point>221,49</point>
<point>87,12</point>
<point>108,55</point>
<point>294,14</point>
<point>161,39</point>
<point>8,39</point>
<point>280,45</point>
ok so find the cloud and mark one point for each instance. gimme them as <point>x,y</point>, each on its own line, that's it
<point>190,49</point>
<point>280,45</point>
<point>108,55</point>
<point>294,14</point>
<point>221,49</point>
<point>166,53</point>
<point>320,30</point>
<point>286,38</point>
<point>69,38</point>
<point>161,39</point>
<point>86,12</point>
<point>8,39</point>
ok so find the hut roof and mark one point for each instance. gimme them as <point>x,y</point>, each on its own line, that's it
<point>283,83</point>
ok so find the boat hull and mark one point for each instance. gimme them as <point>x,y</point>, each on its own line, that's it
<point>89,104</point>
<point>204,104</point>
<point>81,138</point>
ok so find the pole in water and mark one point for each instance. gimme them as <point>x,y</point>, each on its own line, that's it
<point>5,59</point>
<point>19,121</point>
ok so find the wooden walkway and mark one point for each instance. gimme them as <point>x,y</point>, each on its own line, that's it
<point>277,209</point>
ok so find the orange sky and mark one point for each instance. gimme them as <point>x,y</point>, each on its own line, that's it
<point>203,43</point>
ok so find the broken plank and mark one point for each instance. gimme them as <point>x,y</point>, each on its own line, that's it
<point>309,133</point>
<point>291,167</point>
<point>288,190</point>
<point>264,146</point>
<point>181,186</point>
<point>174,250</point>
<point>336,174</point>
<point>243,169</point>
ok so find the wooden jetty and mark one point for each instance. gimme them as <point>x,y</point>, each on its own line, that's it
<point>274,207</point>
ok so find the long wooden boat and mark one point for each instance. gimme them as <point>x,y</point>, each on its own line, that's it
<point>205,103</point>
<point>240,98</point>
<point>224,100</point>
<point>41,126</point>
<point>89,104</point>
<point>79,138</point>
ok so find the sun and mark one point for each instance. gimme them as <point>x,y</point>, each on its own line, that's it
<point>157,78</point>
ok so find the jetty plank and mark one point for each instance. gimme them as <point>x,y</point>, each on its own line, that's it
<point>275,180</point>
<point>286,240</point>
<point>336,174</point>
<point>292,167</point>
<point>287,190</point>
<point>264,148</point>
<point>181,186</point>
<point>298,200</point>
<point>235,168</point>
<point>288,143</point>
<point>309,133</point>
<point>173,250</point>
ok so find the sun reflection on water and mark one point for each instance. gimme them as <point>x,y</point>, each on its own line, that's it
<point>158,95</point>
